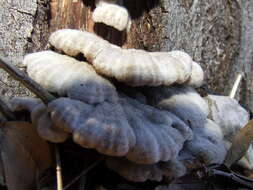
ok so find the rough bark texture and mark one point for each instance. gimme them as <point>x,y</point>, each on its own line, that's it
<point>208,30</point>
<point>15,29</point>
<point>245,59</point>
<point>218,34</point>
<point>68,14</point>
<point>23,28</point>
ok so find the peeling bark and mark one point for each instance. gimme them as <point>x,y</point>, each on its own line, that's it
<point>68,14</point>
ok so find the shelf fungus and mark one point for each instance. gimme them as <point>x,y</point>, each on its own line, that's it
<point>139,132</point>
<point>160,135</point>
<point>183,101</point>
<point>227,113</point>
<point>143,172</point>
<point>231,118</point>
<point>131,66</point>
<point>133,171</point>
<point>164,128</point>
<point>67,76</point>
<point>102,126</point>
<point>111,13</point>
<point>40,118</point>
<point>206,148</point>
<point>207,145</point>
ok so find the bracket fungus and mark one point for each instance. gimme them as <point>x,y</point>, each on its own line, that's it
<point>162,129</point>
<point>160,135</point>
<point>133,171</point>
<point>67,76</point>
<point>230,117</point>
<point>140,132</point>
<point>227,113</point>
<point>40,118</point>
<point>197,75</point>
<point>131,66</point>
<point>206,147</point>
<point>183,101</point>
<point>112,14</point>
<point>143,172</point>
<point>103,126</point>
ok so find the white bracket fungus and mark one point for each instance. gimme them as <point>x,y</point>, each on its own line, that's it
<point>67,76</point>
<point>112,14</point>
<point>131,66</point>
<point>227,113</point>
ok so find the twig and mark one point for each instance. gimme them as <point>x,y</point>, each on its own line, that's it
<point>82,183</point>
<point>26,81</point>
<point>58,169</point>
<point>235,86</point>
<point>39,91</point>
<point>83,173</point>
<point>5,110</point>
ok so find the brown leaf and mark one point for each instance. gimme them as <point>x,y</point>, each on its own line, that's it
<point>240,144</point>
<point>24,155</point>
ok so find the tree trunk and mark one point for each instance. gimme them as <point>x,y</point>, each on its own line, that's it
<point>216,33</point>
<point>23,28</point>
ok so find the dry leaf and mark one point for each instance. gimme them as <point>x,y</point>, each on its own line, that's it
<point>24,155</point>
<point>240,144</point>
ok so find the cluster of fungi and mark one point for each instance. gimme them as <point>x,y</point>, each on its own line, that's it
<point>140,109</point>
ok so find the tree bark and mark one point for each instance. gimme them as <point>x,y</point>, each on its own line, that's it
<point>23,28</point>
<point>208,30</point>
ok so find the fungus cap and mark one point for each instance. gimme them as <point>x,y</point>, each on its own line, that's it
<point>131,66</point>
<point>111,14</point>
<point>67,76</point>
<point>183,101</point>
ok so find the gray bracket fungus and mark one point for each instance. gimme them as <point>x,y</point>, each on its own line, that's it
<point>143,172</point>
<point>23,103</point>
<point>133,171</point>
<point>169,138</point>
<point>207,144</point>
<point>131,66</point>
<point>183,101</point>
<point>102,126</point>
<point>111,14</point>
<point>140,132</point>
<point>40,118</point>
<point>159,134</point>
<point>205,148</point>
<point>45,126</point>
<point>154,143</point>
<point>67,76</point>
